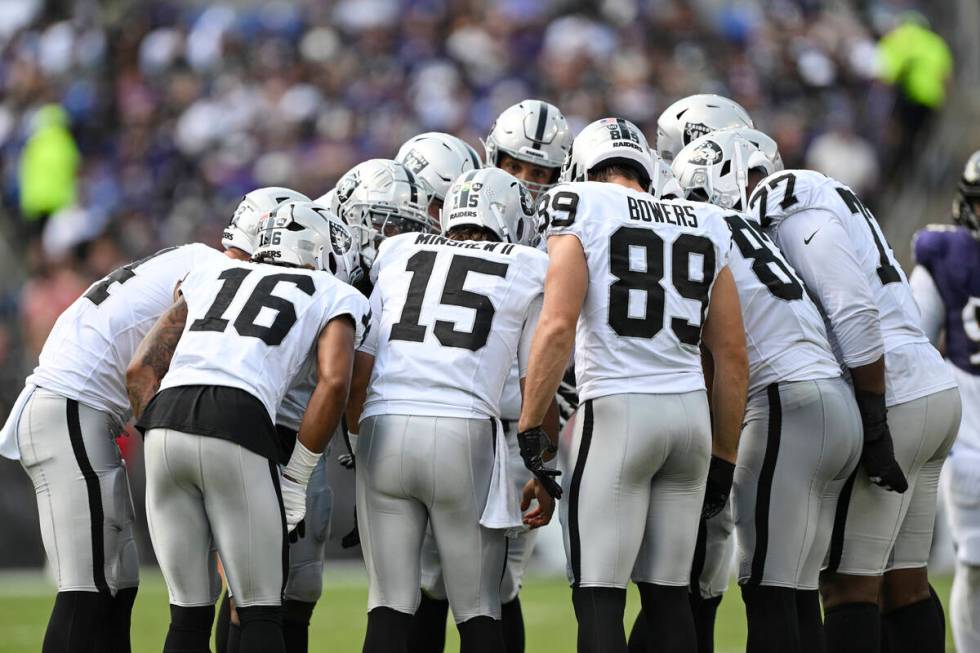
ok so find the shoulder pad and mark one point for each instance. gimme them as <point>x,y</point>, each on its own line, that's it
<point>929,244</point>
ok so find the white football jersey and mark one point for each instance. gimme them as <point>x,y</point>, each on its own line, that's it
<point>784,331</point>
<point>652,265</point>
<point>450,319</point>
<point>252,326</point>
<point>87,352</point>
<point>839,250</point>
<point>510,398</point>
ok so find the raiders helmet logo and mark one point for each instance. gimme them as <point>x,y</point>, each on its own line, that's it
<point>346,187</point>
<point>707,154</point>
<point>694,130</point>
<point>527,204</point>
<point>340,239</point>
<point>415,162</point>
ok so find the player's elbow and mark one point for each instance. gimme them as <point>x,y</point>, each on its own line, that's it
<point>334,385</point>
<point>558,329</point>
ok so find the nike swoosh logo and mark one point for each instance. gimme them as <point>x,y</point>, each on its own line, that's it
<point>806,241</point>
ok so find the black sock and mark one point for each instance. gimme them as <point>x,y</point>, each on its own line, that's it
<point>512,619</point>
<point>387,631</point>
<point>190,629</point>
<point>116,635</point>
<point>296,625</point>
<point>705,611</point>
<point>667,612</point>
<point>852,628</point>
<point>234,638</point>
<point>76,622</point>
<point>770,613</point>
<point>481,635</point>
<point>599,611</point>
<point>427,633</point>
<point>222,625</point>
<point>809,622</point>
<point>261,629</point>
<point>914,628</point>
<point>638,640</point>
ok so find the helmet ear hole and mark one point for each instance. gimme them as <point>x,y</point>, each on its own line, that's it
<point>332,263</point>
<point>520,229</point>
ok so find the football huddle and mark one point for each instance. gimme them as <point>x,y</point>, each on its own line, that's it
<point>684,353</point>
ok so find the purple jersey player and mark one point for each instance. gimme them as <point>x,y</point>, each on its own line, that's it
<point>946,285</point>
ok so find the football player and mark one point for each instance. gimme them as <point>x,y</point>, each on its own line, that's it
<point>222,358</point>
<point>437,159</point>
<point>694,116</point>
<point>802,435</point>
<point>63,429</point>
<point>304,583</point>
<point>530,141</point>
<point>946,286</point>
<point>909,405</point>
<point>645,282</point>
<point>499,194</point>
<point>451,314</point>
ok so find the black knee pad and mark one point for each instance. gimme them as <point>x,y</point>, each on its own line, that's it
<point>481,635</point>
<point>190,629</point>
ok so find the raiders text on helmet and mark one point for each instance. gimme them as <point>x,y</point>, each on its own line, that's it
<point>306,234</point>
<point>495,200</point>
<point>609,141</point>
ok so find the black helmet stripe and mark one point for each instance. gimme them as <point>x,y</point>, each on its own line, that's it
<point>473,156</point>
<point>464,193</point>
<point>542,122</point>
<point>413,186</point>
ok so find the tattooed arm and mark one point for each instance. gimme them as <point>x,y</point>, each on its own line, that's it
<point>152,358</point>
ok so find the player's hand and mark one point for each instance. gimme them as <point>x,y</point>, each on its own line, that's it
<point>294,502</point>
<point>878,454</point>
<point>541,514</point>
<point>346,460</point>
<point>719,486</point>
<point>535,444</point>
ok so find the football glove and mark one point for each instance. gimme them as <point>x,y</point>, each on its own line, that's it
<point>878,454</point>
<point>719,486</point>
<point>534,443</point>
<point>294,502</point>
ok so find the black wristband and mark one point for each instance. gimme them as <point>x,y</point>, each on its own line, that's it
<point>874,414</point>
<point>721,469</point>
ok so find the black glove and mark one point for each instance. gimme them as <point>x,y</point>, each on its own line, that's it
<point>718,487</point>
<point>878,455</point>
<point>353,538</point>
<point>534,443</point>
<point>346,460</point>
<point>298,533</point>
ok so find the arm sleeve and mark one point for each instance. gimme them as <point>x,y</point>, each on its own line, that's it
<point>527,334</point>
<point>817,245</point>
<point>369,345</point>
<point>930,302</point>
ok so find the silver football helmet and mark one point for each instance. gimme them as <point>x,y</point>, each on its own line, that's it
<point>694,116</point>
<point>967,198</point>
<point>610,140</point>
<point>381,198</point>
<point>715,168</point>
<point>307,235</point>
<point>532,131</point>
<point>437,159</point>
<point>495,200</point>
<point>242,230</point>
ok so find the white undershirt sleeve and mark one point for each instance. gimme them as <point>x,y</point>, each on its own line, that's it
<point>930,303</point>
<point>817,245</point>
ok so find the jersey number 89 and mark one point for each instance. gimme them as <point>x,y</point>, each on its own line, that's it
<point>649,281</point>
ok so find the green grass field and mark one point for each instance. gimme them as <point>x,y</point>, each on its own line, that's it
<point>338,624</point>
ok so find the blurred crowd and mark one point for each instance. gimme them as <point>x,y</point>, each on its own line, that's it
<point>126,126</point>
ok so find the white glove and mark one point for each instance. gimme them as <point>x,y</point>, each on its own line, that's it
<point>295,477</point>
<point>294,501</point>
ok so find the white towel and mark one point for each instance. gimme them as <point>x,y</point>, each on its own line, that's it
<point>503,509</point>
<point>8,434</point>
